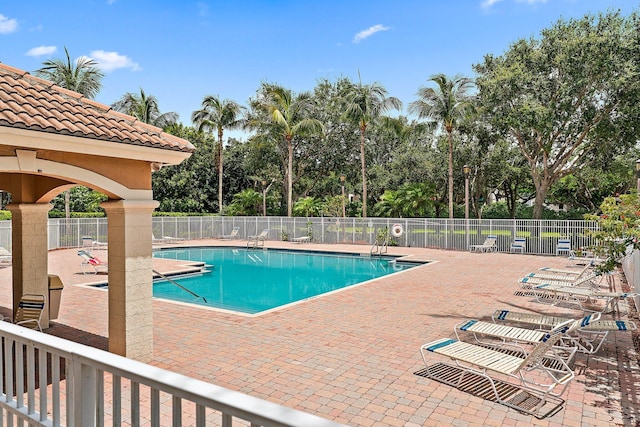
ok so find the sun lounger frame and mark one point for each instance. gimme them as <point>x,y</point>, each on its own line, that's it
<point>523,372</point>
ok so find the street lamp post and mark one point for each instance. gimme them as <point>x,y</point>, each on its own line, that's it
<point>264,198</point>
<point>467,171</point>
<point>638,175</point>
<point>344,211</point>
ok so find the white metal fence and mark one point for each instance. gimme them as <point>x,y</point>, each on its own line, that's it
<point>48,381</point>
<point>456,234</point>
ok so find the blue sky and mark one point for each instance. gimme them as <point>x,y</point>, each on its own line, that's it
<point>180,51</point>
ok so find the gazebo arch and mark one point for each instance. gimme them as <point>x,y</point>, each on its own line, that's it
<point>52,139</point>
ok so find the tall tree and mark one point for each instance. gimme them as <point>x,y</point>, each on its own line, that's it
<point>288,116</point>
<point>82,76</point>
<point>566,97</point>
<point>218,115</point>
<point>144,108</point>
<point>447,104</point>
<point>364,104</point>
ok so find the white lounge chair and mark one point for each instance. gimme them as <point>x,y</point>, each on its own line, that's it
<point>171,239</point>
<point>489,245</point>
<point>301,239</point>
<point>588,337</point>
<point>492,334</point>
<point>530,380</point>
<point>586,280</point>
<point>235,234</point>
<point>564,247</point>
<point>519,244</point>
<point>5,257</point>
<point>258,240</point>
<point>554,293</point>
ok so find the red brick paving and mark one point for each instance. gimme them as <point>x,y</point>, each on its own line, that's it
<point>351,356</point>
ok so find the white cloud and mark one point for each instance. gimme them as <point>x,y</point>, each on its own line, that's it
<point>109,61</point>
<point>369,32</point>
<point>7,25</point>
<point>41,51</point>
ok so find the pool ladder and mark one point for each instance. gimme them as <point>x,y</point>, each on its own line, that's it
<point>378,247</point>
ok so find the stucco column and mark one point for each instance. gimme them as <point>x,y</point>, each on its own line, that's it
<point>29,252</point>
<point>130,277</point>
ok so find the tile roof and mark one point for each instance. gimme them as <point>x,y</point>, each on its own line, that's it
<point>32,103</point>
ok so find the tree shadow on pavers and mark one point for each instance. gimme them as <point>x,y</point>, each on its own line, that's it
<point>614,378</point>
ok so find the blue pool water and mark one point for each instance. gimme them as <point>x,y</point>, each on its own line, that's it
<point>252,281</point>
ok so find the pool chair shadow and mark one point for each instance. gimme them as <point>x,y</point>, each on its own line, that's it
<point>89,261</point>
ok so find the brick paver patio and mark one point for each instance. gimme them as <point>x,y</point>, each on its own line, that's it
<point>351,356</point>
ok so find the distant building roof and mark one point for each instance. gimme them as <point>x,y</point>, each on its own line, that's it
<point>32,103</point>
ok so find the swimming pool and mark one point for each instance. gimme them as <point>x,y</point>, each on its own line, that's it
<point>252,281</point>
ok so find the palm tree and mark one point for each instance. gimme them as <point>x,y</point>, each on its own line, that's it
<point>448,103</point>
<point>82,76</point>
<point>289,113</point>
<point>144,108</point>
<point>219,115</point>
<point>365,103</point>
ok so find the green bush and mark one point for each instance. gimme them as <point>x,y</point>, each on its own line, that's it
<point>60,214</point>
<point>4,215</point>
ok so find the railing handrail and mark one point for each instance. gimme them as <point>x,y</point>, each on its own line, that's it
<point>229,402</point>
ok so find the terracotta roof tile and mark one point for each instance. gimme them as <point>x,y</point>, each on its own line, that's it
<point>32,103</point>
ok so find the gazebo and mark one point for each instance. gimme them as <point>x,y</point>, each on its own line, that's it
<point>52,139</point>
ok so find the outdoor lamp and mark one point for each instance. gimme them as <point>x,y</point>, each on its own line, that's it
<point>467,169</point>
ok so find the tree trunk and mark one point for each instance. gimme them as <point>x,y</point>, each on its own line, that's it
<point>220,171</point>
<point>289,178</point>
<point>364,172</point>
<point>450,176</point>
<point>542,188</point>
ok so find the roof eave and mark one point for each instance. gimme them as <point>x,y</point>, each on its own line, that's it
<point>38,140</point>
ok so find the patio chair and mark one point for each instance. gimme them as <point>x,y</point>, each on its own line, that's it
<point>5,257</point>
<point>588,337</point>
<point>529,380</point>
<point>564,247</point>
<point>554,293</point>
<point>519,244</point>
<point>301,239</point>
<point>589,279</point>
<point>171,239</point>
<point>89,260</point>
<point>258,240</point>
<point>29,312</point>
<point>489,245</point>
<point>492,334</point>
<point>233,235</point>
